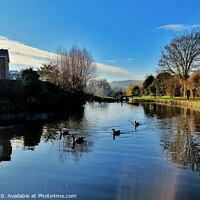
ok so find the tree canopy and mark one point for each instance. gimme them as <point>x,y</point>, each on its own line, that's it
<point>181,56</point>
<point>99,88</point>
<point>72,70</point>
<point>147,82</point>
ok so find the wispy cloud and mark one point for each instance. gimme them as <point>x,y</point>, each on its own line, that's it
<point>112,69</point>
<point>116,73</point>
<point>111,61</point>
<point>129,59</point>
<point>178,27</point>
<point>24,55</point>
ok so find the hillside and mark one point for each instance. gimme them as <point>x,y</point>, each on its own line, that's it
<point>123,84</point>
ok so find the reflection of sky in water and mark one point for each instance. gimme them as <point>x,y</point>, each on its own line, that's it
<point>157,160</point>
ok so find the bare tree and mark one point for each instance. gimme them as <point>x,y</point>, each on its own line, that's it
<point>181,56</point>
<point>99,88</point>
<point>76,68</point>
<point>72,70</point>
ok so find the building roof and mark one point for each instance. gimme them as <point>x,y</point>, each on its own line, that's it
<point>4,53</point>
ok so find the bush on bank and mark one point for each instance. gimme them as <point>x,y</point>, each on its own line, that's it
<point>36,96</point>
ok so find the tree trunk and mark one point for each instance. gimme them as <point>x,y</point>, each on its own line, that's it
<point>185,88</point>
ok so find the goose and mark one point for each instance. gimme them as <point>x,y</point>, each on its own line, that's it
<point>79,139</point>
<point>65,132</point>
<point>116,132</point>
<point>136,123</point>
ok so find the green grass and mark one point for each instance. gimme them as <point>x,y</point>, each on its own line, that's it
<point>167,98</point>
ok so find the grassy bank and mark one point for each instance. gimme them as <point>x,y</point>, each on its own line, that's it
<point>176,101</point>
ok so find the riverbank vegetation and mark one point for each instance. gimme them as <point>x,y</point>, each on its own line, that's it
<point>31,94</point>
<point>101,91</point>
<point>178,73</point>
<point>57,86</point>
<point>68,80</point>
<point>72,70</point>
<point>165,84</point>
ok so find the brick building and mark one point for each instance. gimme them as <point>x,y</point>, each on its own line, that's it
<point>4,63</point>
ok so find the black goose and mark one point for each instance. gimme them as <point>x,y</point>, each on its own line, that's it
<point>64,133</point>
<point>78,140</point>
<point>116,132</point>
<point>136,123</point>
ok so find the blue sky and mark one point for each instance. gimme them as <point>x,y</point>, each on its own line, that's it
<point>123,36</point>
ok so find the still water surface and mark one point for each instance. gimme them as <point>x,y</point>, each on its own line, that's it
<point>159,160</point>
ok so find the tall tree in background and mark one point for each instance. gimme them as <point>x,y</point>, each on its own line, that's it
<point>30,80</point>
<point>194,81</point>
<point>49,72</point>
<point>129,89</point>
<point>166,84</point>
<point>76,68</point>
<point>181,56</point>
<point>72,71</point>
<point>136,91</point>
<point>147,82</point>
<point>99,88</point>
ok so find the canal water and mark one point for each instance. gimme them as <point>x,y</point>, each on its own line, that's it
<point>158,160</point>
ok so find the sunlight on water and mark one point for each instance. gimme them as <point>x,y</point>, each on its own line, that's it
<point>159,159</point>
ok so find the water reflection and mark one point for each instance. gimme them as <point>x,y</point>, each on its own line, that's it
<point>64,144</point>
<point>75,150</point>
<point>25,131</point>
<point>5,149</point>
<point>133,166</point>
<point>179,134</point>
<point>16,137</point>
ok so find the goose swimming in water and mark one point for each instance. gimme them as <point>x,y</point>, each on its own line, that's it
<point>136,123</point>
<point>79,139</point>
<point>65,132</point>
<point>116,132</point>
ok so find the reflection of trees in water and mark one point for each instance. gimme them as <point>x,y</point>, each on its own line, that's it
<point>18,137</point>
<point>179,135</point>
<point>94,104</point>
<point>160,111</point>
<point>68,148</point>
<point>32,136</point>
<point>26,135</point>
<point>181,147</point>
<point>5,150</point>
<point>64,145</point>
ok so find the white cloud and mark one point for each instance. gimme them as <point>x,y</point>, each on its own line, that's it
<point>116,73</point>
<point>129,59</point>
<point>173,27</point>
<point>111,61</point>
<point>24,55</point>
<point>28,53</point>
<point>178,27</point>
<point>112,69</point>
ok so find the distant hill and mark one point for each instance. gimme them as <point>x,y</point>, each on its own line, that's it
<point>124,84</point>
